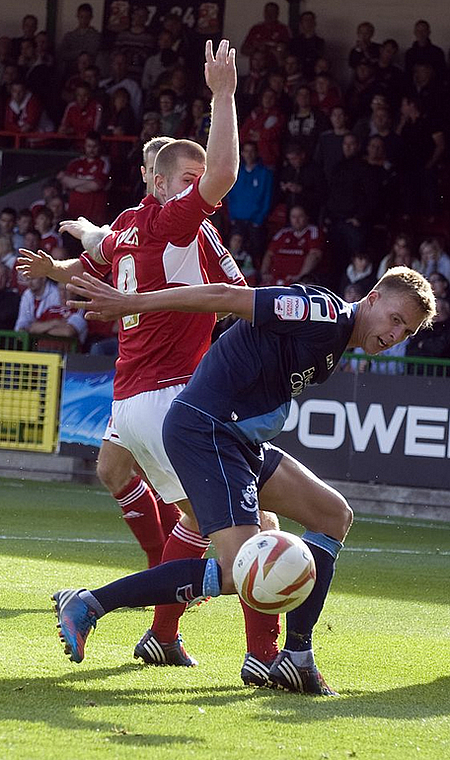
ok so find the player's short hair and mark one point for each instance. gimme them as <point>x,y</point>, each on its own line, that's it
<point>408,282</point>
<point>167,158</point>
<point>154,145</point>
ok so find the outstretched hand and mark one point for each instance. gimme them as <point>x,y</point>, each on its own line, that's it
<point>101,301</point>
<point>220,71</point>
<point>34,264</point>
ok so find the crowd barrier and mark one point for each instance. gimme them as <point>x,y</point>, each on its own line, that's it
<point>30,139</point>
<point>29,400</point>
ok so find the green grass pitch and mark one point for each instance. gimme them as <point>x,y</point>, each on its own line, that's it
<point>383,641</point>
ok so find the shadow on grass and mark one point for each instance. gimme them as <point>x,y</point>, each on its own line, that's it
<point>11,613</point>
<point>52,700</point>
<point>416,702</point>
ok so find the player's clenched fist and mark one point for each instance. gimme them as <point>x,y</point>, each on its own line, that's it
<point>220,71</point>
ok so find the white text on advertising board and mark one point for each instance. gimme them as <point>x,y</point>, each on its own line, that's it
<point>424,430</point>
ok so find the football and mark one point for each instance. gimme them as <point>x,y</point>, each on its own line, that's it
<point>274,571</point>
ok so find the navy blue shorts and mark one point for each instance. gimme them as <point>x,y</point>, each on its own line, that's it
<point>220,474</point>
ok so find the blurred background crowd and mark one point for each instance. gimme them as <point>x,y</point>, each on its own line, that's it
<point>337,181</point>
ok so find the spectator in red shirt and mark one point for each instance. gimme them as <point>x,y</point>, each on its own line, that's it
<point>265,126</point>
<point>83,115</point>
<point>266,35</point>
<point>294,252</point>
<point>325,95</point>
<point>50,189</point>
<point>42,311</point>
<point>24,112</point>
<point>86,178</point>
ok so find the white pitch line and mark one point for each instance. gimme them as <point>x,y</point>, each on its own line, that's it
<point>360,549</point>
<point>375,550</point>
<point>404,523</point>
<point>410,523</point>
<point>68,540</point>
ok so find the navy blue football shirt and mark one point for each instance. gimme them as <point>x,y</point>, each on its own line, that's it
<point>248,377</point>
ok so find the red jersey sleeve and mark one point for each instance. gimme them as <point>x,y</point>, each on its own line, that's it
<point>220,265</point>
<point>101,271</point>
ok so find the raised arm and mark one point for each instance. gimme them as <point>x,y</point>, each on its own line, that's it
<point>222,149</point>
<point>106,303</point>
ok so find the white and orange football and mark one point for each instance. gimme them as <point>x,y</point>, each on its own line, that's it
<point>274,571</point>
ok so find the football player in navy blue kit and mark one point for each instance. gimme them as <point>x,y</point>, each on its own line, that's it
<point>220,425</point>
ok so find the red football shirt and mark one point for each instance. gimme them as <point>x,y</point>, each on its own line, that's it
<point>159,247</point>
<point>290,248</point>
<point>79,121</point>
<point>91,205</point>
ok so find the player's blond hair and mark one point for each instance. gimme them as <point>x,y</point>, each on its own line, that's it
<point>408,282</point>
<point>154,145</point>
<point>167,158</point>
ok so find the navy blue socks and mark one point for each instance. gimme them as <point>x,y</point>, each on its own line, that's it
<point>300,622</point>
<point>179,581</point>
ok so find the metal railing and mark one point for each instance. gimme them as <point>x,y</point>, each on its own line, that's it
<point>10,340</point>
<point>417,366</point>
<point>21,138</point>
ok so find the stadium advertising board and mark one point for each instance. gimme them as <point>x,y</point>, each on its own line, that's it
<point>366,428</point>
<point>373,428</point>
<point>85,404</point>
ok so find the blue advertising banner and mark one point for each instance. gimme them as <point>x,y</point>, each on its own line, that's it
<point>86,401</point>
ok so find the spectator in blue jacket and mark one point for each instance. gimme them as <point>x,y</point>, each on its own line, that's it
<point>249,202</point>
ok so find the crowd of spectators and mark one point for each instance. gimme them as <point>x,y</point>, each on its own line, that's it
<point>336,183</point>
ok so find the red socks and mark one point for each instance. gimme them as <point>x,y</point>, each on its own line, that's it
<point>182,543</point>
<point>169,514</point>
<point>141,514</point>
<point>262,632</point>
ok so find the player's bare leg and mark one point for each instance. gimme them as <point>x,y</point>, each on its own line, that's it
<point>300,495</point>
<point>295,492</point>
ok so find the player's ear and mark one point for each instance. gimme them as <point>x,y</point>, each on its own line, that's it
<point>144,173</point>
<point>373,297</point>
<point>159,183</point>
